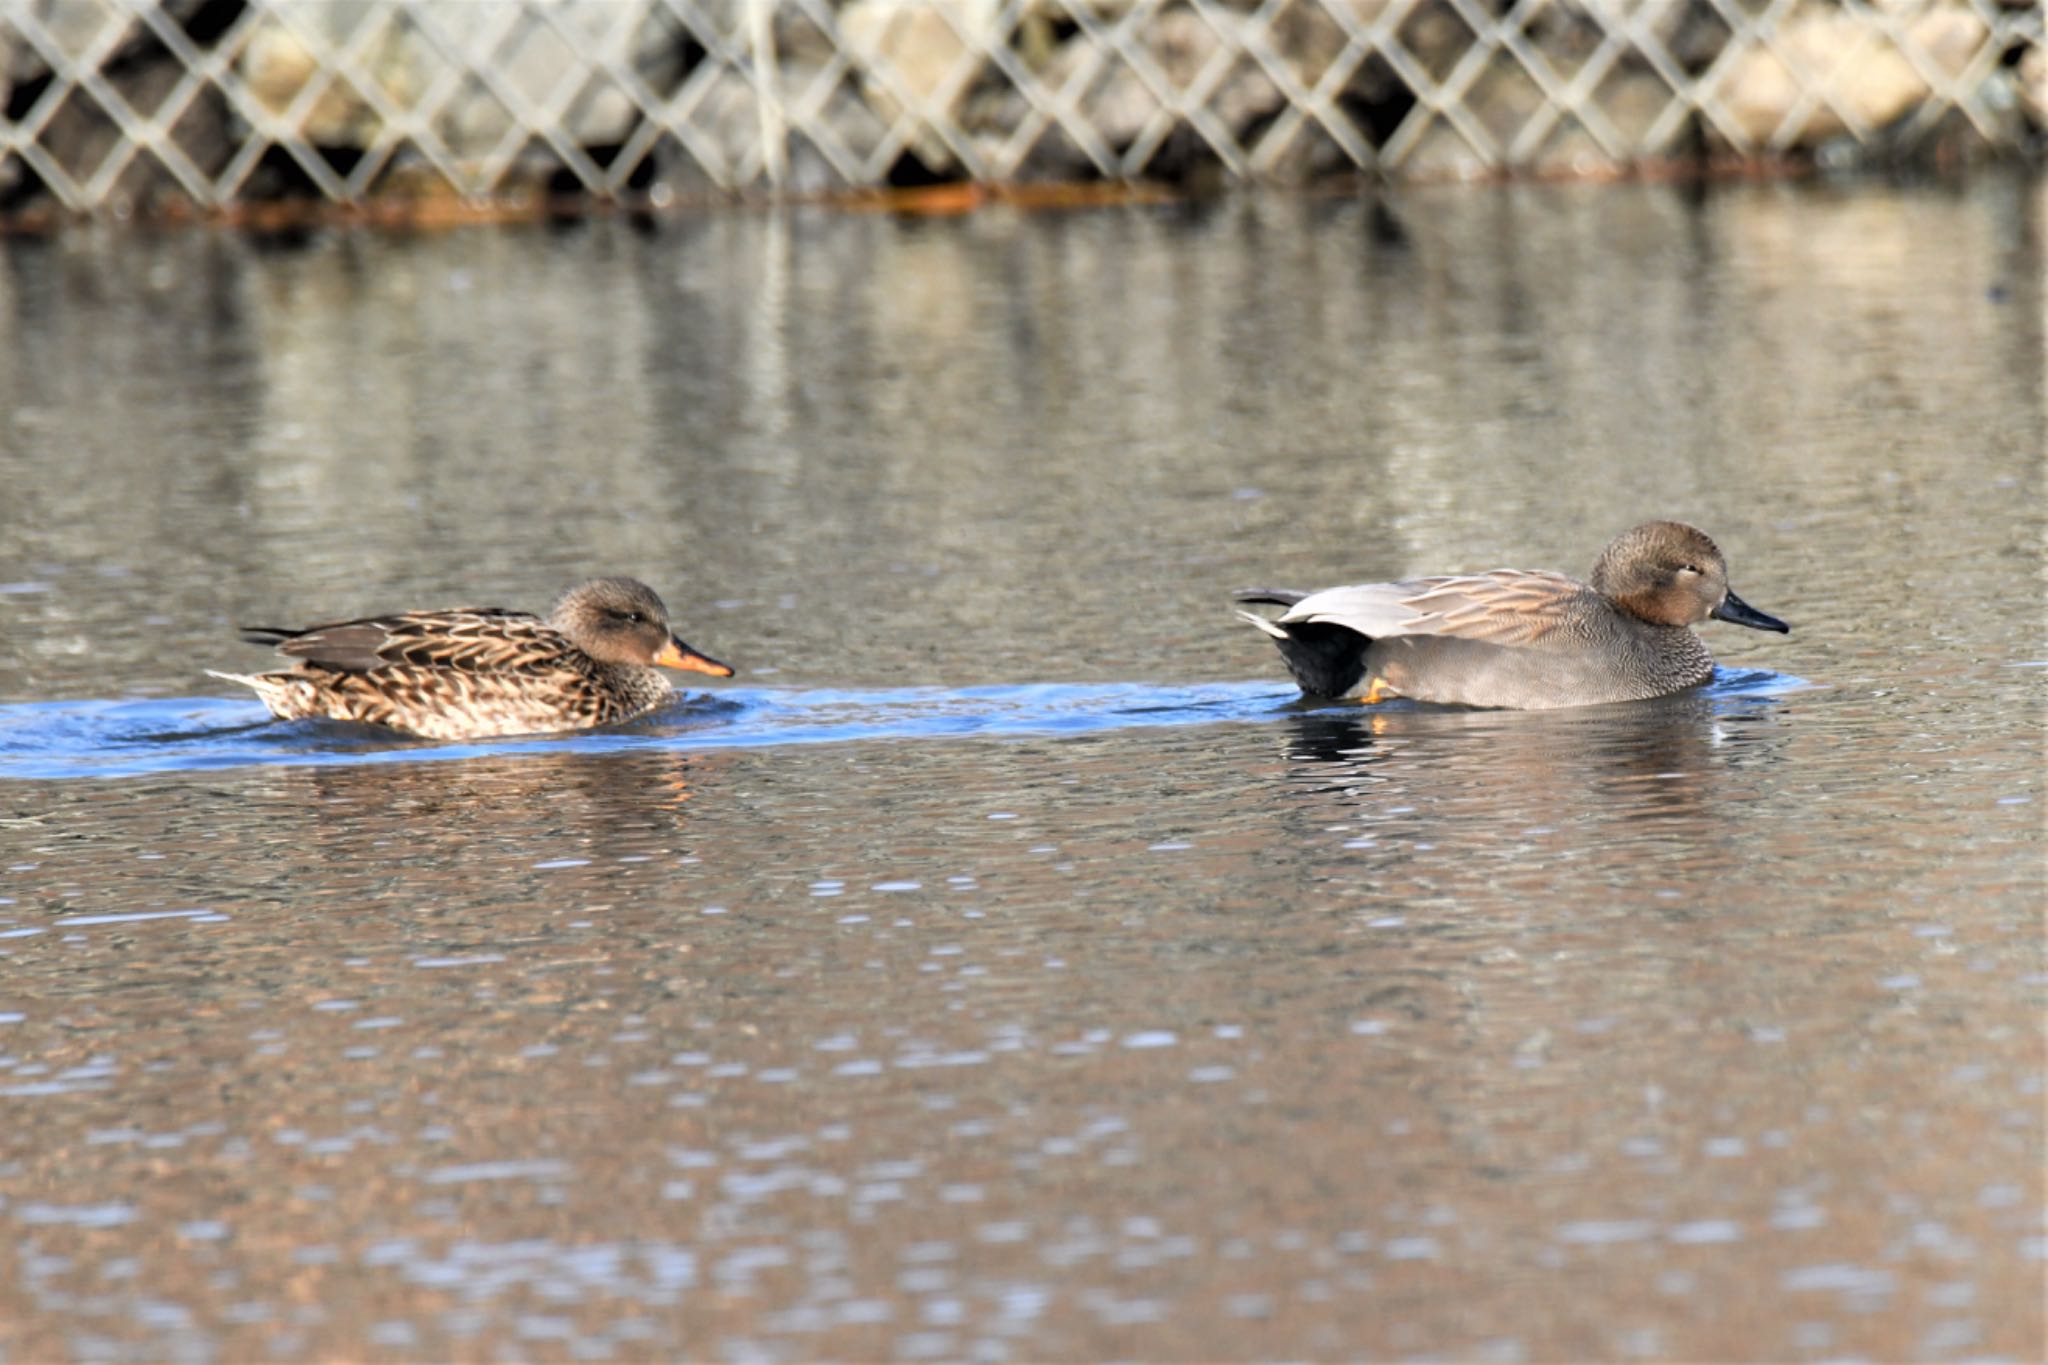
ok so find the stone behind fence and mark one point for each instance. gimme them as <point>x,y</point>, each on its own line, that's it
<point>135,105</point>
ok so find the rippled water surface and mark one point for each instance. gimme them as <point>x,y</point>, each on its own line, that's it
<point>1004,966</point>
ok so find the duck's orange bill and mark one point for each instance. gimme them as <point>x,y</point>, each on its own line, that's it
<point>676,654</point>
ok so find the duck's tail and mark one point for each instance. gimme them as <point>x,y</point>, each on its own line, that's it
<point>1279,597</point>
<point>249,680</point>
<point>1252,618</point>
<point>1276,596</point>
<point>286,694</point>
<point>1327,660</point>
<point>273,689</point>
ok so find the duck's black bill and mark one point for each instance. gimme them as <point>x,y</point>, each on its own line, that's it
<point>676,654</point>
<point>1738,612</point>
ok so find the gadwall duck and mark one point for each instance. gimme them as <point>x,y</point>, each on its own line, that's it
<point>468,672</point>
<point>1518,638</point>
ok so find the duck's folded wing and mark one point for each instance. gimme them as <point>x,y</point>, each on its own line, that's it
<point>1503,607</point>
<point>470,638</point>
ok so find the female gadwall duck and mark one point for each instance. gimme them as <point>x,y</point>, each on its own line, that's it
<point>1519,638</point>
<point>475,671</point>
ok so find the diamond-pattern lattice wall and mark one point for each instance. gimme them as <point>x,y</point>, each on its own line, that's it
<point>111,103</point>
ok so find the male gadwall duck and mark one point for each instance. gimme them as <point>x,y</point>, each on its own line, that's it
<point>1518,638</point>
<point>473,671</point>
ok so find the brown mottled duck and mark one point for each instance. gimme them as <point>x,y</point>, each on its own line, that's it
<point>469,672</point>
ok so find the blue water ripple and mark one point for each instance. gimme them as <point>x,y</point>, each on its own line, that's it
<point>87,739</point>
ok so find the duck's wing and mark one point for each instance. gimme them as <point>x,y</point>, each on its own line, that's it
<point>1502,607</point>
<point>472,639</point>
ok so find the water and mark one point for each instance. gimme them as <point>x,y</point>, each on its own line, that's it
<point>1004,965</point>
<point>130,738</point>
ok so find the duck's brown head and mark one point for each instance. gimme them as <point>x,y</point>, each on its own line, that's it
<point>621,621</point>
<point>1671,574</point>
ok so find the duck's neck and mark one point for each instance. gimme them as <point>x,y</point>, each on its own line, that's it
<point>638,685</point>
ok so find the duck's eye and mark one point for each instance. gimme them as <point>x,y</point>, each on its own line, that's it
<point>1692,569</point>
<point>631,618</point>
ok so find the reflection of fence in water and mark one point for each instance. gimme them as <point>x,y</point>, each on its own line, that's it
<point>119,102</point>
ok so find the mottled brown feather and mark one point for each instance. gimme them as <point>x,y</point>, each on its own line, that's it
<point>470,671</point>
<point>465,637</point>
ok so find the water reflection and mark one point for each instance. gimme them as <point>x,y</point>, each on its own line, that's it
<point>1661,760</point>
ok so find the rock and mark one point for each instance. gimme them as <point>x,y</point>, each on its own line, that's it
<point>1120,105</point>
<point>1309,37</point>
<point>11,167</point>
<point>728,118</point>
<point>933,58</point>
<point>276,65</point>
<point>1876,83</point>
<point>2033,84</point>
<point>81,136</point>
<point>727,126</point>
<point>531,60</point>
<point>1305,39</point>
<point>1441,152</point>
<point>936,56</point>
<point>1436,37</point>
<point>1632,98</point>
<point>70,26</point>
<point>1692,34</point>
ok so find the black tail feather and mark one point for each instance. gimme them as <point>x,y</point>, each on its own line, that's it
<point>1326,659</point>
<point>265,635</point>
<point>1279,597</point>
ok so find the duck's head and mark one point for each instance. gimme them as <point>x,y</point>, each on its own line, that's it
<point>621,621</point>
<point>1671,574</point>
